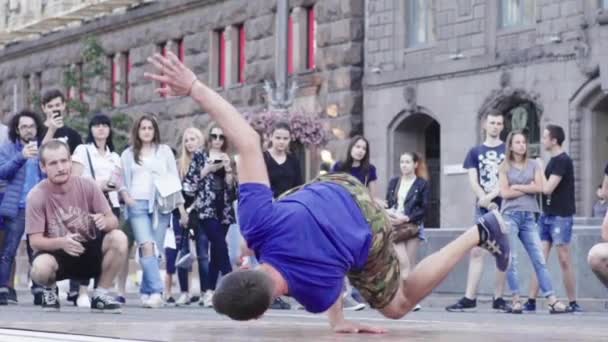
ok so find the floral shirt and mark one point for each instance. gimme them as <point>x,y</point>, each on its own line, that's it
<point>201,188</point>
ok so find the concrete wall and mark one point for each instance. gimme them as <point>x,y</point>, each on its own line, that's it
<point>587,285</point>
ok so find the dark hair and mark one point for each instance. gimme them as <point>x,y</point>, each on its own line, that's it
<point>243,295</point>
<point>556,132</point>
<point>209,139</point>
<point>281,125</point>
<point>13,125</point>
<point>101,119</point>
<point>52,94</point>
<point>53,144</point>
<point>493,112</point>
<point>347,164</point>
<point>421,170</point>
<point>136,143</point>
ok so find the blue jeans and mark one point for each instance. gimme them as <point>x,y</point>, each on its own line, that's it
<point>13,232</point>
<point>522,225</point>
<point>220,261</point>
<point>141,222</point>
<point>556,229</point>
<point>202,255</point>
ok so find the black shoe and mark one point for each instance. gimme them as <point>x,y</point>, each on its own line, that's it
<point>280,304</point>
<point>500,305</point>
<point>12,296</point>
<point>575,308</point>
<point>4,298</point>
<point>38,298</point>
<point>463,305</point>
<point>50,300</point>
<point>73,297</point>
<point>530,306</point>
<point>105,304</point>
<point>170,301</point>
<point>493,238</point>
<point>195,299</point>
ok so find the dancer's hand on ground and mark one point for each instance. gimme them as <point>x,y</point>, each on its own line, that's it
<point>71,246</point>
<point>347,327</point>
<point>177,79</point>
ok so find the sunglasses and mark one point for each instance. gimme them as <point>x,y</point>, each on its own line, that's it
<point>217,136</point>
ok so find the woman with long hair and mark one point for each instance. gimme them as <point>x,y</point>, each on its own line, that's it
<point>149,167</point>
<point>210,179</point>
<point>407,198</point>
<point>186,217</point>
<point>97,159</point>
<point>283,167</point>
<point>520,180</point>
<point>356,163</point>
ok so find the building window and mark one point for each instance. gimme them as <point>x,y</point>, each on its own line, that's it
<point>181,50</point>
<point>221,66</point>
<point>290,46</point>
<point>162,49</point>
<point>517,12</point>
<point>420,23</point>
<point>311,39</point>
<point>26,91</point>
<point>241,53</point>
<point>524,117</point>
<point>113,81</point>
<point>126,67</point>
<point>80,75</point>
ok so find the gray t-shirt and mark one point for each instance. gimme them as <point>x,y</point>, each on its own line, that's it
<point>526,202</point>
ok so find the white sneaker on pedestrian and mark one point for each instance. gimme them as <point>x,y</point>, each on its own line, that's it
<point>155,301</point>
<point>417,307</point>
<point>207,299</point>
<point>184,299</point>
<point>83,301</point>
<point>144,299</point>
<point>352,305</point>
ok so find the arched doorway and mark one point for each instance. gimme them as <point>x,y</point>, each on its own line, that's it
<point>419,132</point>
<point>588,139</point>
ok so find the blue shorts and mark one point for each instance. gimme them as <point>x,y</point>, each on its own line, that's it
<point>555,229</point>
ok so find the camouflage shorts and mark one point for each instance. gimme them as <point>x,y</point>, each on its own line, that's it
<point>379,279</point>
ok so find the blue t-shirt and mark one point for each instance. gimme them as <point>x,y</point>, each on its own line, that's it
<point>486,160</point>
<point>312,237</point>
<point>358,173</point>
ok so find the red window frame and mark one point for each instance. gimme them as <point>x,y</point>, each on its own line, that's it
<point>222,58</point>
<point>242,57</point>
<point>311,38</point>
<point>290,46</point>
<point>181,51</point>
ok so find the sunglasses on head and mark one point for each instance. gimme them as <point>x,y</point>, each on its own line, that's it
<point>216,136</point>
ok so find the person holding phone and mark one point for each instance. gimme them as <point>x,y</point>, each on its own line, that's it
<point>211,179</point>
<point>54,107</point>
<point>19,168</point>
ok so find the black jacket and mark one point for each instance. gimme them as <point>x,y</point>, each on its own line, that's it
<point>416,201</point>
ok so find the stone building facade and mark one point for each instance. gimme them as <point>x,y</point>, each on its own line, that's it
<point>411,74</point>
<point>433,68</point>
<point>326,49</point>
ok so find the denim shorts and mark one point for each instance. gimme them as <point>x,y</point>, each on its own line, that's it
<point>555,229</point>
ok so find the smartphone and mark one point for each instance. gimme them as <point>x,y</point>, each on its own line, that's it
<point>56,114</point>
<point>217,161</point>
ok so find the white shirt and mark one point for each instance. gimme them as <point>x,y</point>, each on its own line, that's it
<point>103,165</point>
<point>404,188</point>
<point>141,186</point>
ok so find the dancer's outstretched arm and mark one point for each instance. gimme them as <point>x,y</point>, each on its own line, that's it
<point>180,81</point>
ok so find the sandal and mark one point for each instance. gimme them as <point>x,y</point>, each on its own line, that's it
<point>517,308</point>
<point>558,308</point>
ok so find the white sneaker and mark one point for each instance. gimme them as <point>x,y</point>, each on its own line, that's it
<point>350,304</point>
<point>208,299</point>
<point>83,301</point>
<point>155,301</point>
<point>417,307</point>
<point>184,299</point>
<point>144,299</point>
